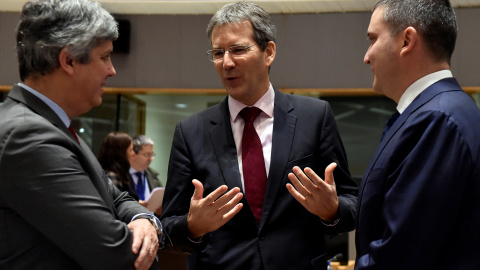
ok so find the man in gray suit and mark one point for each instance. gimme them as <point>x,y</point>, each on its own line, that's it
<point>58,209</point>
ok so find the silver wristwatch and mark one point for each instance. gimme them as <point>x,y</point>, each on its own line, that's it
<point>153,219</point>
<point>156,223</point>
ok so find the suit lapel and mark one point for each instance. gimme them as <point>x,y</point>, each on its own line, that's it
<point>282,140</point>
<point>84,153</point>
<point>221,136</point>
<point>39,107</point>
<point>424,97</point>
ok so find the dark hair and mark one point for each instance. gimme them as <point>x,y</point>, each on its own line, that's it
<point>113,155</point>
<point>48,26</point>
<point>434,20</point>
<point>263,28</point>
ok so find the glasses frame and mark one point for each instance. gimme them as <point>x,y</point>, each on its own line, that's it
<point>210,54</point>
<point>147,155</point>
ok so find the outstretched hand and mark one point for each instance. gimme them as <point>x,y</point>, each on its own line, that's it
<point>210,213</point>
<point>317,196</point>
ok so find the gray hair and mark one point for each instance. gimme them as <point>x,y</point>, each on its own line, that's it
<point>263,28</point>
<point>435,21</point>
<point>139,141</point>
<point>48,26</point>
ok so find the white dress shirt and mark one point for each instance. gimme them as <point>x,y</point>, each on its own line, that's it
<point>417,87</point>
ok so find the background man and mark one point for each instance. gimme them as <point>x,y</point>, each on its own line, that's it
<point>418,204</point>
<point>268,229</point>
<point>58,209</point>
<point>144,178</point>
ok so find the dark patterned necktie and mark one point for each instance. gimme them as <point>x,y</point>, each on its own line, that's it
<point>254,173</point>
<point>140,186</point>
<point>389,123</point>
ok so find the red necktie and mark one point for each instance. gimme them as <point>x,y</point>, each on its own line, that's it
<point>254,173</point>
<point>73,133</point>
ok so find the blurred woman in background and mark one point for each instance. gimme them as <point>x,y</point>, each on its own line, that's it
<point>113,156</point>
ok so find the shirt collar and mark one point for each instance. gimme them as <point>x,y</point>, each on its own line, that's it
<point>417,87</point>
<point>57,109</point>
<point>133,171</point>
<point>265,103</point>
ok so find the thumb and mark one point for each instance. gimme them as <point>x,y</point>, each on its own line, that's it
<point>198,193</point>
<point>329,173</point>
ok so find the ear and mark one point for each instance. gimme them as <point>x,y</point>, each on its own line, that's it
<point>66,62</point>
<point>270,53</point>
<point>410,38</point>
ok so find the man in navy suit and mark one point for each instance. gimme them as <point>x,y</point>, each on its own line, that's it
<point>418,205</point>
<point>231,232</point>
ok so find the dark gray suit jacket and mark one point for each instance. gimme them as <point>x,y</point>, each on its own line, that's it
<point>58,210</point>
<point>288,237</point>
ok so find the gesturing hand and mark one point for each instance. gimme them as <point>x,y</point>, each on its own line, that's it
<point>212,212</point>
<point>317,196</point>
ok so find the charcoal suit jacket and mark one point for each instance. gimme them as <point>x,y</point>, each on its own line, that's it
<point>58,210</point>
<point>288,236</point>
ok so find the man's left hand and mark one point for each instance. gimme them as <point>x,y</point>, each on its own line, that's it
<point>145,242</point>
<point>317,196</point>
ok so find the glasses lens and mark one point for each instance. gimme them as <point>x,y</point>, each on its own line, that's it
<point>216,54</point>
<point>238,50</point>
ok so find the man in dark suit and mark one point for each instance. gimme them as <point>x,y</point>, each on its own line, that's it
<point>418,206</point>
<point>237,229</point>
<point>58,208</point>
<point>143,178</point>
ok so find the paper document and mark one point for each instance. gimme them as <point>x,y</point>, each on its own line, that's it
<point>154,201</point>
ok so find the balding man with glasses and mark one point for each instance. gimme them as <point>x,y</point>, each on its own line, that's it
<point>236,159</point>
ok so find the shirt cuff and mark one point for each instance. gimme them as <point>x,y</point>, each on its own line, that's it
<point>330,224</point>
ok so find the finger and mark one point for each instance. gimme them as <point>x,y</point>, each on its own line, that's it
<point>226,206</point>
<point>296,195</point>
<point>295,182</point>
<point>305,179</point>
<point>226,197</point>
<point>137,241</point>
<point>213,196</point>
<point>230,214</point>
<point>198,193</point>
<point>147,254</point>
<point>329,174</point>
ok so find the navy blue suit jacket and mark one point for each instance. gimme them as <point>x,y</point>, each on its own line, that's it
<point>288,237</point>
<point>418,204</point>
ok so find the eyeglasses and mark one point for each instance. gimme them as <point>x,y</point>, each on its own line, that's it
<point>216,55</point>
<point>147,155</point>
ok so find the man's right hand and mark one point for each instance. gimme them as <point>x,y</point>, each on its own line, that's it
<point>212,212</point>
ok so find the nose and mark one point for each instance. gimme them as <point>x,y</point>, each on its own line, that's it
<point>228,61</point>
<point>366,58</point>
<point>111,70</point>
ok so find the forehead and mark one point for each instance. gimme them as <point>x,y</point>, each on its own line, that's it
<point>377,24</point>
<point>232,34</point>
<point>146,148</point>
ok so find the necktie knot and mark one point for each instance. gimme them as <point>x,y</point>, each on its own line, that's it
<point>249,114</point>
<point>390,123</point>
